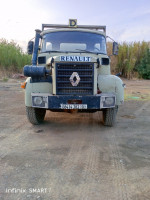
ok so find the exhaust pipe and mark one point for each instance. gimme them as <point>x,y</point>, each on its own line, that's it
<point>36,47</point>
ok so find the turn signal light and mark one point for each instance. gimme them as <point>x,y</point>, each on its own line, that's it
<point>23,85</point>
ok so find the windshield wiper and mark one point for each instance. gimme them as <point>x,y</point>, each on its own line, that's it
<point>86,51</point>
<point>81,50</point>
<point>55,51</point>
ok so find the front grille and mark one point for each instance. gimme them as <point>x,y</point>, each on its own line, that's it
<point>63,74</point>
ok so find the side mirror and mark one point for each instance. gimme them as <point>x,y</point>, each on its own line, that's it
<point>30,47</point>
<point>115,48</point>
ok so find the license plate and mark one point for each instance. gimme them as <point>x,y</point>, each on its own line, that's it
<point>73,106</point>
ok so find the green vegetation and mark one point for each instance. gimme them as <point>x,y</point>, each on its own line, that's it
<point>138,96</point>
<point>132,60</point>
<point>144,66</point>
<point>5,79</point>
<point>12,57</point>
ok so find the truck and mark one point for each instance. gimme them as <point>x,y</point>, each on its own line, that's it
<point>70,72</point>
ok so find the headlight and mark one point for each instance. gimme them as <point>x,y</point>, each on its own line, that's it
<point>38,100</point>
<point>109,101</point>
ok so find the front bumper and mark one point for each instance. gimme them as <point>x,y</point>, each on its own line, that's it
<point>92,102</point>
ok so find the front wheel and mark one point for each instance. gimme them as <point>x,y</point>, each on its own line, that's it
<point>109,116</point>
<point>35,115</point>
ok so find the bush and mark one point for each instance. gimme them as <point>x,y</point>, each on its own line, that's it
<point>144,66</point>
<point>12,56</point>
<point>128,59</point>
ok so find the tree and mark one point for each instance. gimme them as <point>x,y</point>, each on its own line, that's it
<point>144,66</point>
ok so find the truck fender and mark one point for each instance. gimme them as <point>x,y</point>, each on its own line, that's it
<point>113,84</point>
<point>39,87</point>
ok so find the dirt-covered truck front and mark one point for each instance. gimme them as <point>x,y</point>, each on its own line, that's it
<point>71,71</point>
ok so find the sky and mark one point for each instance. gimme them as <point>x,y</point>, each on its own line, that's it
<point>125,20</point>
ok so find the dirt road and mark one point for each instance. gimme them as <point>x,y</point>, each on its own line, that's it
<point>73,156</point>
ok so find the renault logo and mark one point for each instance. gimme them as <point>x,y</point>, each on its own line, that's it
<point>75,79</point>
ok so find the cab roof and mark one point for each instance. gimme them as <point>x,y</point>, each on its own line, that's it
<point>84,28</point>
<point>72,29</point>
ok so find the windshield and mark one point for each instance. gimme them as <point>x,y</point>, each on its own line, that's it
<point>73,41</point>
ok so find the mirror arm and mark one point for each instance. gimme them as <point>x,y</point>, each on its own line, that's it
<point>32,39</point>
<point>110,38</point>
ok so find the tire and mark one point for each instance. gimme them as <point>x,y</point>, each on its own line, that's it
<point>35,115</point>
<point>109,116</point>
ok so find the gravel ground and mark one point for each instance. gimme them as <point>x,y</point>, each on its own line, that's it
<point>73,156</point>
